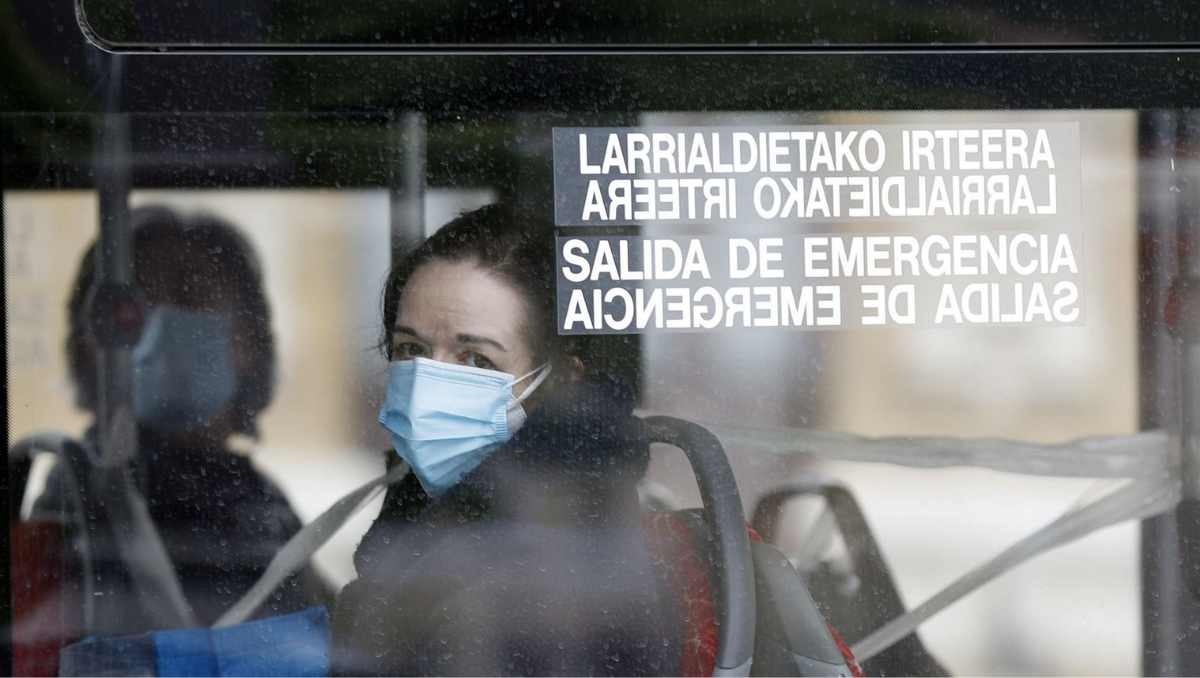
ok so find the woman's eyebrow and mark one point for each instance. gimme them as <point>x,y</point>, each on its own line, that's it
<point>473,339</point>
<point>401,329</point>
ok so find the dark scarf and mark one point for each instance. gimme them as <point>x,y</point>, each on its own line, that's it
<point>533,564</point>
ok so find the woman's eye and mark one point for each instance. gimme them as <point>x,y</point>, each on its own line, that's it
<point>480,361</point>
<point>407,351</point>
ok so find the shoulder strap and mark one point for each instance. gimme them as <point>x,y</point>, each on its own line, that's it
<point>305,543</point>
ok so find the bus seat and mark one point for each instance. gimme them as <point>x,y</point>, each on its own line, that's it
<point>657,497</point>
<point>873,599</point>
<point>63,562</point>
<point>675,556</point>
<point>48,610</point>
<point>725,563</point>
<point>792,638</point>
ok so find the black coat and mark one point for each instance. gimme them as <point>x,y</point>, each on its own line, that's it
<point>221,522</point>
<point>534,564</point>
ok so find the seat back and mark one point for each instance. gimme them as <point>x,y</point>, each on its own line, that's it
<point>47,608</point>
<point>791,639</point>
<point>686,584</point>
<point>731,570</point>
<point>873,599</point>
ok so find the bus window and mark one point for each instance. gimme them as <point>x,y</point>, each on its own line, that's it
<point>856,347</point>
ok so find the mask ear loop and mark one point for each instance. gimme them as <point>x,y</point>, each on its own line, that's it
<point>545,370</point>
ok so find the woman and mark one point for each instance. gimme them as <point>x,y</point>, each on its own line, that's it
<point>515,546</point>
<point>203,371</point>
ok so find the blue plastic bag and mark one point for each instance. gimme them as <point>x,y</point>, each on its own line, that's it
<point>289,645</point>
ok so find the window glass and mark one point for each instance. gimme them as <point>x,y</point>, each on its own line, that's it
<point>517,365</point>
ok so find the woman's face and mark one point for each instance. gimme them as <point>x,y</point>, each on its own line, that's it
<point>171,273</point>
<point>189,277</point>
<point>459,313</point>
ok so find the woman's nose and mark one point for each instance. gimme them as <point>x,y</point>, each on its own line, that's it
<point>444,355</point>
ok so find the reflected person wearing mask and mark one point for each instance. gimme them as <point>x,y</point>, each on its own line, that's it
<point>515,546</point>
<point>203,371</point>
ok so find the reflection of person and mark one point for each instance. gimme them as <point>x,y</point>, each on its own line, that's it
<point>515,546</point>
<point>203,370</point>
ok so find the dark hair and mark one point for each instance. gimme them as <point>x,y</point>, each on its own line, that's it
<point>515,246</point>
<point>198,236</point>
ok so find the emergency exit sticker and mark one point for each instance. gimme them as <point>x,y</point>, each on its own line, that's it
<point>976,224</point>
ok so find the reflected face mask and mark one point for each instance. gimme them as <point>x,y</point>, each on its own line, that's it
<point>445,419</point>
<point>182,374</point>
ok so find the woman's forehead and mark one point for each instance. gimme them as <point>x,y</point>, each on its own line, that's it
<point>445,299</point>
<point>182,271</point>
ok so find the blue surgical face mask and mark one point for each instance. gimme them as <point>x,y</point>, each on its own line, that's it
<point>445,419</point>
<point>182,373</point>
